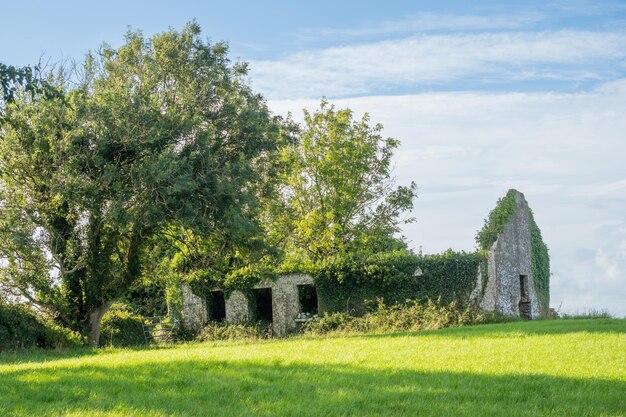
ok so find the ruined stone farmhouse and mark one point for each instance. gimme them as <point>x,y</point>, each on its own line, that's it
<point>504,283</point>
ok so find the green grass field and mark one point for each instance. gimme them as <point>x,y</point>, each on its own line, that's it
<point>544,368</point>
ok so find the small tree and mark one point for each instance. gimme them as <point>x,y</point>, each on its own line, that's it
<point>339,193</point>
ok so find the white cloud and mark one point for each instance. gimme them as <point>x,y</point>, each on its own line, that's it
<point>409,157</point>
<point>426,22</point>
<point>416,60</point>
<point>564,151</point>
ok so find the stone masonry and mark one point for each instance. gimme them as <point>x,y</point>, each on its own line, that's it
<point>285,304</point>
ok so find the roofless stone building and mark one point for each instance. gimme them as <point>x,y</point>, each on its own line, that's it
<point>511,286</point>
<point>512,280</point>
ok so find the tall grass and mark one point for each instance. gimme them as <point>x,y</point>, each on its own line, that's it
<point>410,316</point>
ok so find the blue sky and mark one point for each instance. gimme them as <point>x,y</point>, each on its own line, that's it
<point>484,96</point>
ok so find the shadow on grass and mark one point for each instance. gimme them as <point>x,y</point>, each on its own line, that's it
<point>208,388</point>
<point>35,355</point>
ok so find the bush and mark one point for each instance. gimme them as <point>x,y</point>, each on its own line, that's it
<point>120,327</point>
<point>410,316</point>
<point>329,323</point>
<point>224,331</point>
<point>58,337</point>
<point>20,328</point>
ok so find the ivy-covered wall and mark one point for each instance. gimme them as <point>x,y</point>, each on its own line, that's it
<point>540,266</point>
<point>348,284</point>
<point>450,275</point>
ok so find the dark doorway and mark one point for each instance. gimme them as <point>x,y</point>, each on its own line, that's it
<point>217,306</point>
<point>263,304</point>
<point>524,302</point>
<point>307,297</point>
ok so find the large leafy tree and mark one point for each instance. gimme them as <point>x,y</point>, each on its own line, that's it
<point>161,134</point>
<point>338,192</point>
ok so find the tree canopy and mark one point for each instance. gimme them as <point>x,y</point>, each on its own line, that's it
<point>161,133</point>
<point>338,190</point>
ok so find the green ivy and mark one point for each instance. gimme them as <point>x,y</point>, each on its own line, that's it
<point>540,267</point>
<point>348,283</point>
<point>450,275</point>
<point>498,217</point>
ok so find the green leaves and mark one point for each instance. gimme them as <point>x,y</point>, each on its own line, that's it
<point>346,283</point>
<point>540,266</point>
<point>498,217</point>
<point>160,134</point>
<point>338,189</point>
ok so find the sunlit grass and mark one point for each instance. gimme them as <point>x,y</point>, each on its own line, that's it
<point>555,368</point>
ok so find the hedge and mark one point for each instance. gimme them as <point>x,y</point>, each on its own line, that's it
<point>20,328</point>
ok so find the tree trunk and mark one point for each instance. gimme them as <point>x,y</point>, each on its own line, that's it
<point>95,318</point>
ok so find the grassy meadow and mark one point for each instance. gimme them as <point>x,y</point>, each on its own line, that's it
<point>542,368</point>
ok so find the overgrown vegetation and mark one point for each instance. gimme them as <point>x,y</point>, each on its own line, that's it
<point>344,284</point>
<point>495,222</point>
<point>120,327</point>
<point>410,316</point>
<point>242,331</point>
<point>592,313</point>
<point>540,266</point>
<point>450,275</point>
<point>22,329</point>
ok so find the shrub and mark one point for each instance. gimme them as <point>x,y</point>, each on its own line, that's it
<point>410,316</point>
<point>246,331</point>
<point>59,337</point>
<point>329,323</point>
<point>20,328</point>
<point>120,327</point>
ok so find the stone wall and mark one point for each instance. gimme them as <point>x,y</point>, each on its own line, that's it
<point>194,310</point>
<point>237,308</point>
<point>285,303</point>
